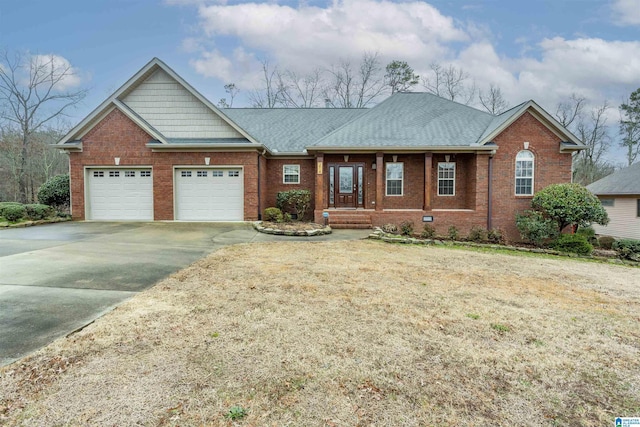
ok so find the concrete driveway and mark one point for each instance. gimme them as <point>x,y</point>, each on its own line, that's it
<point>57,278</point>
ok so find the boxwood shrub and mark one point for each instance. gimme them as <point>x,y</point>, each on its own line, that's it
<point>573,243</point>
<point>14,212</point>
<point>38,211</point>
<point>627,249</point>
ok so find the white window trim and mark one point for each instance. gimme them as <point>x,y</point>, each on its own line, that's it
<point>386,180</point>
<point>284,181</point>
<point>447,179</point>
<point>533,175</point>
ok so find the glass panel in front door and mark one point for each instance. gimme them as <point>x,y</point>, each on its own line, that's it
<point>346,179</point>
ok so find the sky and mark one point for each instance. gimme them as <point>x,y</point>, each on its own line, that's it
<point>543,50</point>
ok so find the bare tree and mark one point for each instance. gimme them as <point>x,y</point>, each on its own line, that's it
<point>232,91</point>
<point>630,126</point>
<point>570,110</point>
<point>270,95</point>
<point>450,82</point>
<point>302,91</point>
<point>349,87</point>
<point>493,101</point>
<point>33,92</point>
<point>400,77</point>
<point>592,130</point>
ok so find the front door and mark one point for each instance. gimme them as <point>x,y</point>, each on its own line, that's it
<point>346,185</point>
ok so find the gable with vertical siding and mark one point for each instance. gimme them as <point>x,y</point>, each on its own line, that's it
<point>174,111</point>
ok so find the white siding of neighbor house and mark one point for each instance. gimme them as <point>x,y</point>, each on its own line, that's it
<point>174,111</point>
<point>623,219</point>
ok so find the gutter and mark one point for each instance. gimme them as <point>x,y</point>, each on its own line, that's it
<point>420,149</point>
<point>155,147</point>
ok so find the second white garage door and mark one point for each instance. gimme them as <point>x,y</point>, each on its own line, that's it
<point>209,194</point>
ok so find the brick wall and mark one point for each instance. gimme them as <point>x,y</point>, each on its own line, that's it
<point>551,167</point>
<point>117,136</point>
<point>274,179</point>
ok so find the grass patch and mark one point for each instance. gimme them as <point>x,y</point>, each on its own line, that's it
<point>349,333</point>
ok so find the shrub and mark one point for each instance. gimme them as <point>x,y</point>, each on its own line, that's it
<point>589,233</point>
<point>453,232</point>
<point>294,201</point>
<point>428,231</point>
<point>38,211</point>
<point>535,228</point>
<point>55,192</point>
<point>606,242</point>
<point>406,228</point>
<point>390,228</point>
<point>573,243</point>
<point>13,213</point>
<point>272,214</point>
<point>495,235</point>
<point>477,234</point>
<point>569,204</point>
<point>628,249</point>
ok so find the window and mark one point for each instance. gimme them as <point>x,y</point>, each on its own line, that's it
<point>145,174</point>
<point>114,174</point>
<point>291,174</point>
<point>185,174</point>
<point>395,176</point>
<point>98,174</point>
<point>129,174</point>
<point>446,179</point>
<point>607,202</point>
<point>524,173</point>
<point>234,173</point>
<point>638,208</point>
<point>217,174</point>
<point>202,173</point>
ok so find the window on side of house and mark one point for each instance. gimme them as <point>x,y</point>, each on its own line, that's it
<point>395,179</point>
<point>524,173</point>
<point>446,179</point>
<point>638,208</point>
<point>291,174</point>
<point>607,202</point>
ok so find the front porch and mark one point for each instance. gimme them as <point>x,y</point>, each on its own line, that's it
<point>363,190</point>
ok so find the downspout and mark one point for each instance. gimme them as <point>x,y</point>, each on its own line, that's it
<point>259,192</point>
<point>490,192</point>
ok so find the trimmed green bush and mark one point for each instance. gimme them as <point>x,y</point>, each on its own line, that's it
<point>495,235</point>
<point>13,213</point>
<point>628,249</point>
<point>38,211</point>
<point>606,242</point>
<point>589,233</point>
<point>428,231</point>
<point>294,202</point>
<point>477,234</point>
<point>272,215</point>
<point>573,243</point>
<point>55,192</point>
<point>453,232</point>
<point>535,228</point>
<point>406,228</point>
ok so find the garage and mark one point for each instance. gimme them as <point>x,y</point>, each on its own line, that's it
<point>209,194</point>
<point>119,194</point>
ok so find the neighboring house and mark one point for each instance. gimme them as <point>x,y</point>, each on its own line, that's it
<point>620,196</point>
<point>158,150</point>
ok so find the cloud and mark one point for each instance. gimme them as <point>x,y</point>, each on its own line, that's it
<point>59,68</point>
<point>626,12</point>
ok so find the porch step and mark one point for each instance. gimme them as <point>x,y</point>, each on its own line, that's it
<point>349,220</point>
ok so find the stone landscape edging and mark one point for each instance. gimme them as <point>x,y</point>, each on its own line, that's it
<point>36,222</point>
<point>279,232</point>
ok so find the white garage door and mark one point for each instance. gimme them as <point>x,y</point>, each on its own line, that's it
<point>209,194</point>
<point>120,194</point>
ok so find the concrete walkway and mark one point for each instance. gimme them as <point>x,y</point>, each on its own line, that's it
<point>57,278</point>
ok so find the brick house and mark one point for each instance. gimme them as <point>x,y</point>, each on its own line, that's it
<point>158,150</point>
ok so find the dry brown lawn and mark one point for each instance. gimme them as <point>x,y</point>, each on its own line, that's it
<point>355,333</point>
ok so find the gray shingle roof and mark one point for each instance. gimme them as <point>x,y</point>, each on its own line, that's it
<point>501,118</point>
<point>411,120</point>
<point>288,130</point>
<point>623,182</point>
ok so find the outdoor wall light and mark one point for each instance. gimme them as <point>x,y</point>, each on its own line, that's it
<point>207,160</point>
<point>116,160</point>
<point>346,158</point>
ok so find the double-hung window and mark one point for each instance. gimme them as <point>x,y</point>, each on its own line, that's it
<point>291,174</point>
<point>524,173</point>
<point>446,179</point>
<point>395,178</point>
